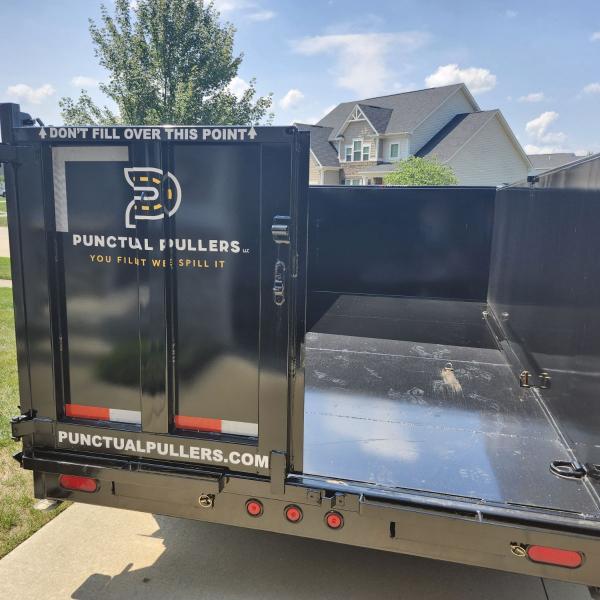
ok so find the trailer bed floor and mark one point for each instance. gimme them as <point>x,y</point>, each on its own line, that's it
<point>391,412</point>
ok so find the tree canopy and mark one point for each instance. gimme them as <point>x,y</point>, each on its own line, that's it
<point>421,171</point>
<point>168,61</point>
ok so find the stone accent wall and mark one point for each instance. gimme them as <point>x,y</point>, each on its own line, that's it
<point>351,170</point>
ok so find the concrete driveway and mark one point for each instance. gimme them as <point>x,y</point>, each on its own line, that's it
<point>92,553</point>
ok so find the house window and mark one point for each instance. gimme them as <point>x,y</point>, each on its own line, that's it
<point>378,180</point>
<point>394,150</point>
<point>366,152</point>
<point>357,146</point>
<point>348,154</point>
<point>354,181</point>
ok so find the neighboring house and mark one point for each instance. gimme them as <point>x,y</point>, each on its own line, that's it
<point>547,162</point>
<point>358,143</point>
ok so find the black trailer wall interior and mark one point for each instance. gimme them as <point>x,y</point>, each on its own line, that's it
<point>439,400</point>
<point>545,293</point>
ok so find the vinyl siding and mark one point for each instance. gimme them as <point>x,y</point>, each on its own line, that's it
<point>489,158</point>
<point>331,177</point>
<point>455,105</point>
<point>314,171</point>
<point>404,149</point>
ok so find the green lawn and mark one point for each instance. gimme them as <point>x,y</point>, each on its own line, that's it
<point>5,267</point>
<point>18,520</point>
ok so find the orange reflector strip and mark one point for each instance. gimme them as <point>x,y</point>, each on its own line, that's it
<point>555,556</point>
<point>78,483</point>
<point>78,411</point>
<point>198,423</point>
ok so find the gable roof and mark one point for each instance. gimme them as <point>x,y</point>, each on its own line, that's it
<point>322,148</point>
<point>404,112</point>
<point>543,162</point>
<point>452,137</point>
<point>378,117</point>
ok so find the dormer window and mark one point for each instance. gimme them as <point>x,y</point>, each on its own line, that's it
<point>357,152</point>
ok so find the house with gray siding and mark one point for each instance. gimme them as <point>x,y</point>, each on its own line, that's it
<point>359,142</point>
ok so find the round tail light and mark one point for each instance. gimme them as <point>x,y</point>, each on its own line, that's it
<point>293,513</point>
<point>334,520</point>
<point>254,508</point>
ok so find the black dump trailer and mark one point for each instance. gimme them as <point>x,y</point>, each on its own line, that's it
<point>201,335</point>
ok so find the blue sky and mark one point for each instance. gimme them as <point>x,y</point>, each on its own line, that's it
<point>536,60</point>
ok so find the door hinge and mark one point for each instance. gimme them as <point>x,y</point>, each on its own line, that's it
<point>526,380</point>
<point>22,425</point>
<point>280,230</point>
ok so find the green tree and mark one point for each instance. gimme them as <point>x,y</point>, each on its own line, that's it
<point>421,171</point>
<point>168,61</point>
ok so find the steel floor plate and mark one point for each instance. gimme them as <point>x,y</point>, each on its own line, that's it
<point>389,412</point>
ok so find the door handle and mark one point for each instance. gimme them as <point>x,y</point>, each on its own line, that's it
<point>279,283</point>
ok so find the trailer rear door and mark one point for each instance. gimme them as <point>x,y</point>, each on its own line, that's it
<point>173,278</point>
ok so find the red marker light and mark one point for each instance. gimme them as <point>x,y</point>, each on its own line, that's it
<point>254,508</point>
<point>78,483</point>
<point>293,513</point>
<point>555,556</point>
<point>334,520</point>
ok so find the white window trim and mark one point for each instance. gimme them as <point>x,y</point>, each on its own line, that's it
<point>363,152</point>
<point>349,147</point>
<point>359,140</point>
<point>397,144</point>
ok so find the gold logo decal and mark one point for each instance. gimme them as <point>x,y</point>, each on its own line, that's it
<point>156,194</point>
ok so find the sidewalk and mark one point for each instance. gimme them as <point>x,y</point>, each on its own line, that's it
<point>93,553</point>
<point>4,249</point>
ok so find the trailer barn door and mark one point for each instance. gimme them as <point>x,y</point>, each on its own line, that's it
<point>176,290</point>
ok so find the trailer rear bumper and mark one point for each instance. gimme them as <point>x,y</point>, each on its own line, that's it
<point>408,527</point>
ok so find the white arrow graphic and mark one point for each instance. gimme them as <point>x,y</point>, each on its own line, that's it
<point>252,133</point>
<point>43,133</point>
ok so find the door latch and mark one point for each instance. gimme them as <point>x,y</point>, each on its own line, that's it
<point>279,283</point>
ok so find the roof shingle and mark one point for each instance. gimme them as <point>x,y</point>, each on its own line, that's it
<point>451,138</point>
<point>406,110</point>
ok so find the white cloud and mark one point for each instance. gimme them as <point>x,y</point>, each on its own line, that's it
<point>291,99</point>
<point>478,80</point>
<point>248,8</point>
<point>537,129</point>
<point>511,14</point>
<point>548,149</point>
<point>24,92</point>
<point>85,82</point>
<point>595,37</point>
<point>261,15</point>
<point>533,97</point>
<point>237,86</point>
<point>592,88</point>
<point>362,59</point>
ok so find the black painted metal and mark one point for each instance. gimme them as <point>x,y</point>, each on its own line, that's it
<point>444,460</point>
<point>160,331</point>
<point>418,242</point>
<point>545,292</point>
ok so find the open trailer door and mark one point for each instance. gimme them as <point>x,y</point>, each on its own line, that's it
<point>171,256</point>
